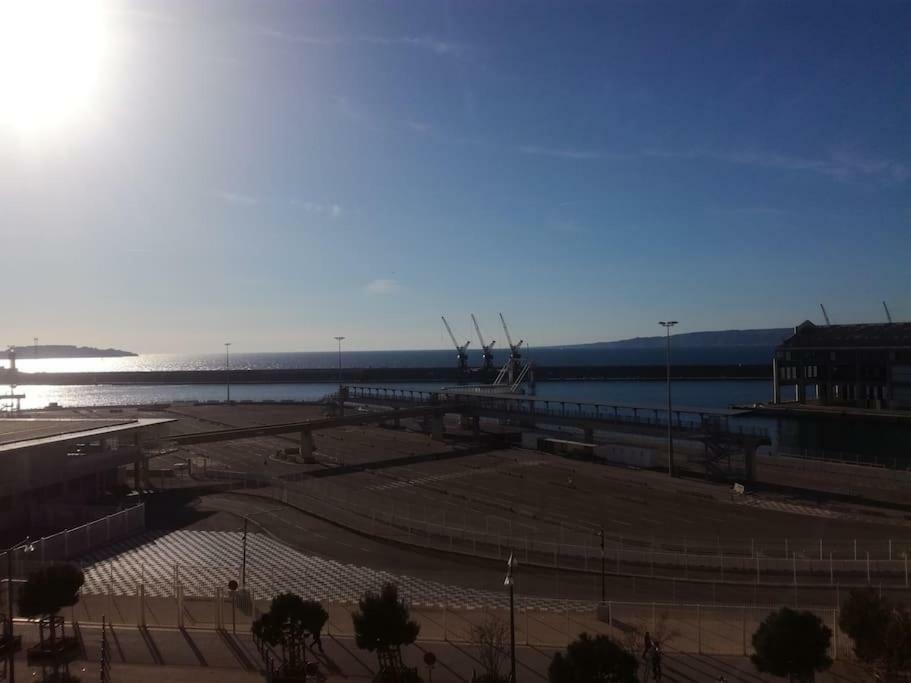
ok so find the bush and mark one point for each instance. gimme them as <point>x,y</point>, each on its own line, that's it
<point>383,622</point>
<point>865,618</point>
<point>593,660</point>
<point>791,643</point>
<point>49,590</point>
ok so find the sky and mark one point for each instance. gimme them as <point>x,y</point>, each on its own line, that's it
<point>277,173</point>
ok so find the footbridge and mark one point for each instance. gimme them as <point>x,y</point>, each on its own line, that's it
<point>714,428</point>
<point>432,413</point>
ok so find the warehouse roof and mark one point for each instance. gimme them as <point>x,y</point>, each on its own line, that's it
<point>862,335</point>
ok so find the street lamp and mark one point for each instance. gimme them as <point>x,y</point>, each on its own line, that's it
<point>601,537</point>
<point>228,370</point>
<point>510,582</point>
<point>27,547</point>
<point>667,325</point>
<point>339,340</point>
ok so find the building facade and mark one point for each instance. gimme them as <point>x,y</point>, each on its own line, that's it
<point>53,471</point>
<point>861,366</point>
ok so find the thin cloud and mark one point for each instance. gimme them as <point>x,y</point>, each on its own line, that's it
<point>317,209</point>
<point>840,165</point>
<point>561,152</point>
<point>238,198</point>
<point>383,287</point>
<point>432,44</point>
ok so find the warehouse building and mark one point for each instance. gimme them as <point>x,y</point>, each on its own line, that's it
<point>861,366</point>
<point>54,472</point>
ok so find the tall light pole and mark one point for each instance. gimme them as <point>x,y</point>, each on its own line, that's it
<point>228,370</point>
<point>339,340</point>
<point>510,582</point>
<point>667,325</point>
<point>601,537</point>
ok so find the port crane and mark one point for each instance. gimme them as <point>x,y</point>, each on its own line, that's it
<point>888,315</point>
<point>515,354</point>
<point>461,350</point>
<point>486,349</point>
<point>825,315</point>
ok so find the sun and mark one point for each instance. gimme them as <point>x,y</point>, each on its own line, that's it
<point>52,54</point>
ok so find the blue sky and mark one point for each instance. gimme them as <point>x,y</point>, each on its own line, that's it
<point>275,173</point>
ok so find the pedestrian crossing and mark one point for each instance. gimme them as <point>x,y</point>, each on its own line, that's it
<point>203,561</point>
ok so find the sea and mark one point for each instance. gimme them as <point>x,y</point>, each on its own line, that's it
<point>705,394</point>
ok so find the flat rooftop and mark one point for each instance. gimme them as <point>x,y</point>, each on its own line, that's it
<point>26,432</point>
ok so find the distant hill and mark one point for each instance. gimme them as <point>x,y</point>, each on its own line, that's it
<point>721,338</point>
<point>27,351</point>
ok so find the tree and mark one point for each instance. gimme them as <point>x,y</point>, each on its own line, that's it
<point>45,593</point>
<point>593,660</point>
<point>491,637</point>
<point>50,589</point>
<point>383,625</point>
<point>286,625</point>
<point>792,644</point>
<point>880,629</point>
<point>865,618</point>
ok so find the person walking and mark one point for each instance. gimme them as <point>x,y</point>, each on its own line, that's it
<point>656,661</point>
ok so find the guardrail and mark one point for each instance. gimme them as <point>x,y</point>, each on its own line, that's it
<point>692,421</point>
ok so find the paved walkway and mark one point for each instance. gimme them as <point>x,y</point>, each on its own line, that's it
<point>200,656</point>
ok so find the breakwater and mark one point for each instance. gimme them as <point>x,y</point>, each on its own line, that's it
<point>384,374</point>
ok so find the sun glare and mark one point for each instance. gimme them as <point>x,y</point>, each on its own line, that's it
<point>51,61</point>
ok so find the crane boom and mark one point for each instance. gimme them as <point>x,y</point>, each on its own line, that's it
<point>825,315</point>
<point>506,330</point>
<point>449,330</point>
<point>888,315</point>
<point>478,330</point>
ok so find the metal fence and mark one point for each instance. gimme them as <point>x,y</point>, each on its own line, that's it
<point>76,541</point>
<point>441,527</point>
<point>685,628</point>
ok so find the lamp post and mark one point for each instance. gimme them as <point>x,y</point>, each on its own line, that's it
<point>510,582</point>
<point>601,536</point>
<point>11,644</point>
<point>228,371</point>
<point>339,340</point>
<point>667,325</point>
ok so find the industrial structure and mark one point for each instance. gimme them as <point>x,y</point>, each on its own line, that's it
<point>486,349</point>
<point>515,353</point>
<point>53,471</point>
<point>862,366</point>
<point>461,351</point>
